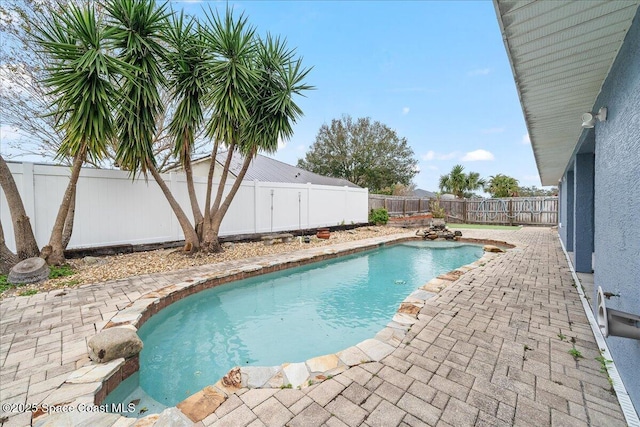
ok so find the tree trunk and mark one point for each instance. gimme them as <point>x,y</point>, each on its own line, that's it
<point>7,258</point>
<point>53,253</point>
<point>68,222</point>
<point>212,243</point>
<point>193,198</point>
<point>192,244</point>
<point>223,180</point>
<point>26,245</point>
<point>207,201</point>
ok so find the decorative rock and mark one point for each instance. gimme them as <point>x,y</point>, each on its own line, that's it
<point>31,270</point>
<point>114,343</point>
<point>233,379</point>
<point>227,245</point>
<point>491,248</point>
<point>90,260</point>
<point>457,233</point>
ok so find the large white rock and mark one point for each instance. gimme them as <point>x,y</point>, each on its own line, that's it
<point>113,343</point>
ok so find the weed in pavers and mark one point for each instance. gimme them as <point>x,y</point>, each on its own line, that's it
<point>575,353</point>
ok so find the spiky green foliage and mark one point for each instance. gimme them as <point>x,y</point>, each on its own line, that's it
<point>188,69</point>
<point>232,42</point>
<point>80,76</point>
<point>502,186</point>
<point>271,106</point>
<point>459,183</point>
<point>136,29</point>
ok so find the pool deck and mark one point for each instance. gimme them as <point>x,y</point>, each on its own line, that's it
<point>490,349</point>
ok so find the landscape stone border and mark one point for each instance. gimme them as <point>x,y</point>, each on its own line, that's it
<point>91,384</point>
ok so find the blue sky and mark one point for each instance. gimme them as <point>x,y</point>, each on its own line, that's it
<point>436,72</point>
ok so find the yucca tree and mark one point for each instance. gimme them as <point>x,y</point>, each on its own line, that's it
<point>232,43</point>
<point>188,67</point>
<point>137,31</point>
<point>253,103</point>
<point>80,76</point>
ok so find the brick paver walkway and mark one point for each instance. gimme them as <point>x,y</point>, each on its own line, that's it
<point>491,349</point>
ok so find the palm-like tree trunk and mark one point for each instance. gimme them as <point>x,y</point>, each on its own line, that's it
<point>192,244</point>
<point>193,198</point>
<point>53,253</point>
<point>7,258</point>
<point>26,245</point>
<point>68,222</point>
<point>212,243</point>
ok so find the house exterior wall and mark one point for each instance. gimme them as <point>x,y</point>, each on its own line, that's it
<point>617,200</point>
<point>202,169</point>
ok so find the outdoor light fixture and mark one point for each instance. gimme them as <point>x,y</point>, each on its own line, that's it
<point>589,119</point>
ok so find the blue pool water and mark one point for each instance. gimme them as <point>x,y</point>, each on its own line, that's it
<point>288,316</point>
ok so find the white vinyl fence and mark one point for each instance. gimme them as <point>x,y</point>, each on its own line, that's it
<point>113,209</point>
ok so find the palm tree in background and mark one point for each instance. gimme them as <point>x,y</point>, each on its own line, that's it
<point>460,184</point>
<point>502,186</point>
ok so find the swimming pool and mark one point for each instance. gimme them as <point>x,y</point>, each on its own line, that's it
<point>288,316</point>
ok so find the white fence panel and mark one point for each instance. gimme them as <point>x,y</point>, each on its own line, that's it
<point>112,209</point>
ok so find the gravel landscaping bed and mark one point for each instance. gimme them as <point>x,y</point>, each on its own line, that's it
<point>103,269</point>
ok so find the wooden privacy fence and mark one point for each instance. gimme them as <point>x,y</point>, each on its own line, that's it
<point>399,205</point>
<point>511,211</point>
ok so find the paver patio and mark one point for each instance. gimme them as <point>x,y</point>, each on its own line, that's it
<point>486,351</point>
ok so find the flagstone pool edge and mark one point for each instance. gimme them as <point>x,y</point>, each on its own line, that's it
<point>84,387</point>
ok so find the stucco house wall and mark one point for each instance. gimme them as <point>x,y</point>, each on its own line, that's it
<point>616,189</point>
<point>617,200</point>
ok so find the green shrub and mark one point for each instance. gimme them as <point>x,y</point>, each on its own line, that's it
<point>378,216</point>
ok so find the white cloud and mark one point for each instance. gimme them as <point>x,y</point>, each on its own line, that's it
<point>479,72</point>
<point>281,144</point>
<point>405,111</point>
<point>477,155</point>
<point>490,131</point>
<point>525,139</point>
<point>432,168</point>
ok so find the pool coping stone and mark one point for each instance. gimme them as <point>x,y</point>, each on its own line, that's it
<point>91,383</point>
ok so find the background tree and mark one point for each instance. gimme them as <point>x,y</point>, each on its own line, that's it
<point>459,183</point>
<point>502,186</point>
<point>365,152</point>
<point>534,191</point>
